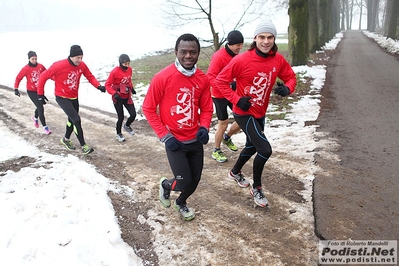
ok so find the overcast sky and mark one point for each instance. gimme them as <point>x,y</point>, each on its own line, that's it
<point>134,15</point>
<point>37,15</point>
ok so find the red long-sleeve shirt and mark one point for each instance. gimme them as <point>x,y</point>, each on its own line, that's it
<point>32,74</point>
<point>67,78</point>
<point>184,103</point>
<point>218,61</point>
<point>118,80</point>
<point>255,76</point>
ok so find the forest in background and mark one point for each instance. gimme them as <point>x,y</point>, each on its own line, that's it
<point>314,22</point>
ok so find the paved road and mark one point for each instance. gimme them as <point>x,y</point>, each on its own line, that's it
<point>358,196</point>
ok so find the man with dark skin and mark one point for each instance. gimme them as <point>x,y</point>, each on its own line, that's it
<point>178,106</point>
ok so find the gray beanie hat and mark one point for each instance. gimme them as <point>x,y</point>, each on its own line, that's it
<point>266,26</point>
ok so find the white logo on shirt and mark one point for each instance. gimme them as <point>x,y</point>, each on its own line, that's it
<point>185,107</point>
<point>72,81</point>
<point>125,80</point>
<point>259,88</point>
<point>34,78</point>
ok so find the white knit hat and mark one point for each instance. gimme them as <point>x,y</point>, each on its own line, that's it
<point>266,26</point>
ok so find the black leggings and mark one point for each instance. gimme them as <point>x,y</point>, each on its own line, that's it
<point>256,142</point>
<point>71,109</point>
<point>121,116</point>
<point>186,164</point>
<point>39,111</point>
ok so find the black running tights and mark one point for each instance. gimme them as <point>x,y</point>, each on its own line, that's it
<point>186,164</point>
<point>39,111</point>
<point>121,116</point>
<point>256,142</point>
<point>71,109</point>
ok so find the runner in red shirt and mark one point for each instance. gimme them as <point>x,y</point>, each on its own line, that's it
<point>218,61</point>
<point>179,108</point>
<point>119,85</point>
<point>32,72</point>
<point>66,75</point>
<point>255,72</point>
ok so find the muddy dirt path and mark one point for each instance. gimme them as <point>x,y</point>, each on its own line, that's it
<point>228,228</point>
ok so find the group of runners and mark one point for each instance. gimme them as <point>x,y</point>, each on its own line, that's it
<point>179,105</point>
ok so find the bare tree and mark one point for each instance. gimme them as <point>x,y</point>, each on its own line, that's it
<point>346,14</point>
<point>351,13</point>
<point>343,13</point>
<point>363,6</point>
<point>372,14</point>
<point>347,11</point>
<point>180,13</point>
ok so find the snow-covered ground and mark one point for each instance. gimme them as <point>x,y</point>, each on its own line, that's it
<point>392,46</point>
<point>46,207</point>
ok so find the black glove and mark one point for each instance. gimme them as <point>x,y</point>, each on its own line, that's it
<point>117,96</point>
<point>101,88</point>
<point>202,135</point>
<point>244,103</point>
<point>281,90</point>
<point>233,85</point>
<point>16,92</point>
<point>133,91</point>
<point>42,99</point>
<point>173,144</point>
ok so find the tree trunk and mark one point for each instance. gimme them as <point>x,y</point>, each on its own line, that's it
<point>343,13</point>
<point>334,28</point>
<point>372,14</point>
<point>313,32</point>
<point>347,11</point>
<point>351,15</point>
<point>392,19</point>
<point>361,14</point>
<point>215,35</point>
<point>376,5</point>
<point>386,16</point>
<point>325,20</point>
<point>369,15</point>
<point>298,12</point>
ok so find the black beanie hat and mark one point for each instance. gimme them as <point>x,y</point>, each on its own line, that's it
<point>30,54</point>
<point>123,58</point>
<point>235,37</point>
<point>75,51</point>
